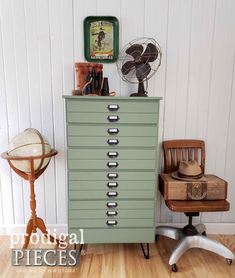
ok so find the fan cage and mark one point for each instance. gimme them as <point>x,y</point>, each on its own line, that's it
<point>124,57</point>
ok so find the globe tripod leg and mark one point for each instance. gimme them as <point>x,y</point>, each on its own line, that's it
<point>41,225</point>
<point>29,229</point>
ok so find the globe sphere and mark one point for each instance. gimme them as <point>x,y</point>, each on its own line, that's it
<point>28,143</point>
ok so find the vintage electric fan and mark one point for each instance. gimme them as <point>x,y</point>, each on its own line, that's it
<point>138,61</point>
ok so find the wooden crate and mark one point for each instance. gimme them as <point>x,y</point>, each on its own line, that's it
<point>214,188</point>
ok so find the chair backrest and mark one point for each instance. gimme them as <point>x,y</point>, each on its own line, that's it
<point>177,150</point>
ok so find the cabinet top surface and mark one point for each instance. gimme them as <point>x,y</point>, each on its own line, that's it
<point>111,98</point>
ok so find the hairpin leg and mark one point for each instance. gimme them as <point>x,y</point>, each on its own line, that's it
<point>146,255</point>
<point>80,248</point>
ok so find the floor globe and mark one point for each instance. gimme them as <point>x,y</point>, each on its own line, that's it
<point>29,143</point>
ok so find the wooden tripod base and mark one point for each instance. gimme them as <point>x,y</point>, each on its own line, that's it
<point>34,222</point>
<point>32,228</point>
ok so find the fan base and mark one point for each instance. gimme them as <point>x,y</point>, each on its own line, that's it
<point>138,95</point>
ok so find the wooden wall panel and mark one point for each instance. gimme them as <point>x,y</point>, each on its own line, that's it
<point>67,25</point>
<point>64,83</point>
<point>41,39</point>
<point>200,63</point>
<point>178,47</point>
<point>24,117</point>
<point>155,25</point>
<point>4,133</point>
<point>230,151</point>
<point>201,43</point>
<point>131,27</point>
<point>177,68</point>
<point>56,44</point>
<point>106,7</point>
<point>33,87</point>
<point>11,102</point>
<point>220,92</point>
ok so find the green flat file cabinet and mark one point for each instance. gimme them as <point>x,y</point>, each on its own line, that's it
<point>112,168</point>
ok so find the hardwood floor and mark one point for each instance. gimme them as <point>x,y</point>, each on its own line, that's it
<point>127,261</point>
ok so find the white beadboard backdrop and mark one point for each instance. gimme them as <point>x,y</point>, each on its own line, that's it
<point>41,39</point>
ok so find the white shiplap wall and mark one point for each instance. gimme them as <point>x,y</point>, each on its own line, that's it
<point>41,39</point>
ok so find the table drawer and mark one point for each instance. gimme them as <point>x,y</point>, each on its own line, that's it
<point>76,164</point>
<point>111,105</point>
<point>110,194</point>
<point>74,141</point>
<point>103,153</point>
<point>117,223</point>
<point>109,130</point>
<point>101,118</point>
<point>112,185</point>
<point>126,176</point>
<point>140,204</point>
<point>114,235</point>
<point>104,214</point>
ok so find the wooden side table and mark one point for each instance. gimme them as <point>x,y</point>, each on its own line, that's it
<point>34,222</point>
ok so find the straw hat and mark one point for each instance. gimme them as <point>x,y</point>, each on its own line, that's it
<point>189,171</point>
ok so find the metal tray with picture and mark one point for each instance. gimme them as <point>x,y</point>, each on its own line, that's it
<point>101,38</point>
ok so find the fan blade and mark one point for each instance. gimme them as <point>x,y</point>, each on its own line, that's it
<point>127,67</point>
<point>142,71</point>
<point>150,54</point>
<point>135,50</point>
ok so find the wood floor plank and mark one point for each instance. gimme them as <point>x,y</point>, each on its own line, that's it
<point>127,261</point>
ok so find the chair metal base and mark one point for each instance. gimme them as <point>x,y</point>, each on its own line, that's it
<point>192,241</point>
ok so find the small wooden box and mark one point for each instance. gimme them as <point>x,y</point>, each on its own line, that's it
<point>214,188</point>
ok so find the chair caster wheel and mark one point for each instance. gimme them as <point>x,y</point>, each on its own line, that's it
<point>229,261</point>
<point>174,268</point>
<point>156,238</point>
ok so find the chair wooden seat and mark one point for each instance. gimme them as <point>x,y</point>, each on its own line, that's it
<point>198,206</point>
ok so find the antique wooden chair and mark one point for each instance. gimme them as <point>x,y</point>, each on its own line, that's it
<point>190,236</point>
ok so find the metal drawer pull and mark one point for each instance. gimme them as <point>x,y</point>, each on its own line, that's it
<point>112,194</point>
<point>112,164</point>
<point>111,213</point>
<point>112,184</point>
<point>111,222</point>
<point>113,118</point>
<point>113,107</point>
<point>112,175</point>
<point>112,141</point>
<point>113,130</point>
<point>112,204</point>
<point>112,154</point>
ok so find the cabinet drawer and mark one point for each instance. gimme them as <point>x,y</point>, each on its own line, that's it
<point>101,118</point>
<point>102,214</point>
<point>76,164</point>
<point>114,235</point>
<point>140,204</point>
<point>110,185</point>
<point>126,176</point>
<point>139,154</point>
<point>110,194</point>
<point>108,130</point>
<point>111,105</point>
<point>74,141</point>
<point>117,223</point>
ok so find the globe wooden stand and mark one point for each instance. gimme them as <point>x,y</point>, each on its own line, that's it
<point>34,222</point>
